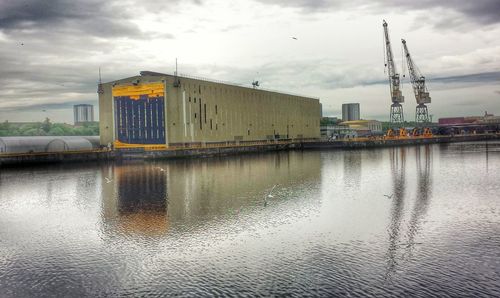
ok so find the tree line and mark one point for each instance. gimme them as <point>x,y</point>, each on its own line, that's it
<point>47,128</point>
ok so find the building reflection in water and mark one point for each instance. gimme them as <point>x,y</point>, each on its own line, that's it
<point>352,167</point>
<point>148,198</point>
<point>397,158</point>
<point>135,198</point>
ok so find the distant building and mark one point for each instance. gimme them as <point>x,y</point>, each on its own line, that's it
<point>335,131</point>
<point>83,113</point>
<point>364,127</point>
<point>350,112</point>
<point>487,118</point>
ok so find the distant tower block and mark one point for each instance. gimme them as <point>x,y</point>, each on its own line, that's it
<point>83,113</point>
<point>350,112</point>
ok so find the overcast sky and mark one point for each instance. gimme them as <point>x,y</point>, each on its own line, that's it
<point>51,50</point>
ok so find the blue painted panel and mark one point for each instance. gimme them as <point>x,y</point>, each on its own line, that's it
<point>140,121</point>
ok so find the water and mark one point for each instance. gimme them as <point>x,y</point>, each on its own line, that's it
<point>413,221</point>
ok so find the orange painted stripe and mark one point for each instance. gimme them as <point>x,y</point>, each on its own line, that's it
<point>151,89</point>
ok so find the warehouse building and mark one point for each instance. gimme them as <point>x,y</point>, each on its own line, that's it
<point>159,109</point>
<point>43,144</point>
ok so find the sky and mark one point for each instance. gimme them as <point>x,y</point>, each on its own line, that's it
<point>51,50</point>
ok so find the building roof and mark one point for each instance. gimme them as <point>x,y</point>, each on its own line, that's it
<point>354,122</point>
<point>184,76</point>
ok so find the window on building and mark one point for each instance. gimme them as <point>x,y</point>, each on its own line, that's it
<point>215,109</point>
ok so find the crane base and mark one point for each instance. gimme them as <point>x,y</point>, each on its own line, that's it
<point>397,116</point>
<point>421,114</point>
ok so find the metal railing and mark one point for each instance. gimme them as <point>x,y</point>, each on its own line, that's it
<point>199,78</point>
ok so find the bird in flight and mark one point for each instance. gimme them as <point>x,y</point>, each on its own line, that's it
<point>269,195</point>
<point>389,196</point>
<point>107,180</point>
<point>293,37</point>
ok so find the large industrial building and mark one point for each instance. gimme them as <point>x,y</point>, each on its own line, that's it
<point>161,109</point>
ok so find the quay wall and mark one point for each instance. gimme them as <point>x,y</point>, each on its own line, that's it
<point>142,154</point>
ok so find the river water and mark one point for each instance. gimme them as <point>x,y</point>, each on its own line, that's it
<point>411,221</point>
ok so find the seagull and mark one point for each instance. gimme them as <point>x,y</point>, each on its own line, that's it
<point>389,196</point>
<point>107,179</point>
<point>269,195</point>
<point>161,169</point>
<point>293,37</point>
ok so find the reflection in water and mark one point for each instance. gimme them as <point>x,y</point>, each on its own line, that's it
<point>398,170</point>
<point>138,194</point>
<point>424,190</point>
<point>202,228</point>
<point>149,198</point>
<point>352,167</point>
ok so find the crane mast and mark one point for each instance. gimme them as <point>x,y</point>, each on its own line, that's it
<point>396,114</point>
<point>419,88</point>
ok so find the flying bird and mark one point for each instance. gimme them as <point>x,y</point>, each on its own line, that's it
<point>293,37</point>
<point>107,180</point>
<point>161,169</point>
<point>389,196</point>
<point>269,195</point>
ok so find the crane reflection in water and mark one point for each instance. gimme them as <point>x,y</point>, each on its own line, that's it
<point>423,156</point>
<point>401,246</point>
<point>398,171</point>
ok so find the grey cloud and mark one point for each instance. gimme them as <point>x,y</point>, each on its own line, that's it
<point>484,77</point>
<point>90,16</point>
<point>484,12</point>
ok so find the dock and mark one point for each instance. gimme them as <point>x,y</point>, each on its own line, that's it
<point>209,150</point>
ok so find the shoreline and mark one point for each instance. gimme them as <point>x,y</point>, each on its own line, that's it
<point>209,151</point>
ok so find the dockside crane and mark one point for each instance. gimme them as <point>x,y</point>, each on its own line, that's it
<point>419,88</point>
<point>396,115</point>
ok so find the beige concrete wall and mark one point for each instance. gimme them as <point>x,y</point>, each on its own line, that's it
<point>203,111</point>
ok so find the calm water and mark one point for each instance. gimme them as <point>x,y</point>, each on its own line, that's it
<point>416,221</point>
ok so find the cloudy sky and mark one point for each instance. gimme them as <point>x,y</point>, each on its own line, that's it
<point>51,50</point>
